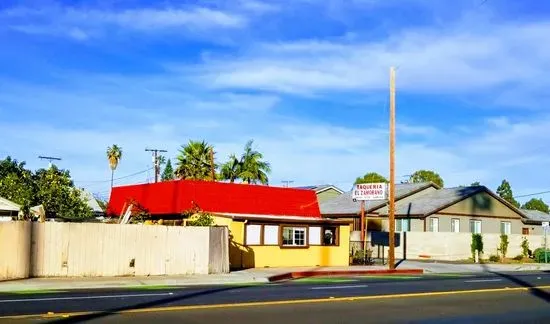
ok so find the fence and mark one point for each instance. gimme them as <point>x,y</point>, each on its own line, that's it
<point>95,250</point>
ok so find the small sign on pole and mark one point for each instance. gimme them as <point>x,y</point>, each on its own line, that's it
<point>369,191</point>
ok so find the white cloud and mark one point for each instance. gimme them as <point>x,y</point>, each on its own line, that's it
<point>456,60</point>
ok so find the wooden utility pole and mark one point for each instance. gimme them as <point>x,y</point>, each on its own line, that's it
<point>391,208</point>
<point>363,223</point>
<point>156,161</point>
<point>212,171</point>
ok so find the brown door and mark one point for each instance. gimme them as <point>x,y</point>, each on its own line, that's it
<point>525,231</point>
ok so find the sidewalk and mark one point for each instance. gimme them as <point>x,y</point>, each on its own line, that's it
<point>244,277</point>
<point>446,267</point>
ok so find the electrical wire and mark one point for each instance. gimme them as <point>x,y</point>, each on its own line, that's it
<point>119,178</point>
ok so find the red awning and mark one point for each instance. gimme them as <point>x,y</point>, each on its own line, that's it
<point>175,197</point>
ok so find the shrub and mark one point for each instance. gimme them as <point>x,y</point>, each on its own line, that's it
<point>525,247</point>
<point>539,255</point>
<point>201,219</point>
<point>518,257</point>
<point>503,248</point>
<point>494,258</point>
<point>477,244</point>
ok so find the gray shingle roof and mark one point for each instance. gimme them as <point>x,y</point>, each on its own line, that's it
<point>436,200</point>
<point>344,204</point>
<point>536,215</point>
<point>319,187</point>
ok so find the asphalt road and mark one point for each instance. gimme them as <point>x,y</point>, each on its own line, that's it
<point>506,297</point>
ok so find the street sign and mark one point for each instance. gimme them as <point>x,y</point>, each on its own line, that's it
<point>369,191</point>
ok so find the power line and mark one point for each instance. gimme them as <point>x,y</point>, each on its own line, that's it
<point>533,194</point>
<point>119,178</point>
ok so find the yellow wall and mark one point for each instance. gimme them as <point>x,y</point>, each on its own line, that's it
<point>241,256</point>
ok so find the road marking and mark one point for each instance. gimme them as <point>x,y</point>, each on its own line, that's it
<point>81,297</point>
<point>338,287</point>
<point>484,280</point>
<point>286,302</point>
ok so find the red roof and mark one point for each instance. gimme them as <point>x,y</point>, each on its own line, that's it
<point>175,197</point>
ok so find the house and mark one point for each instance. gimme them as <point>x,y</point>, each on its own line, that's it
<point>8,210</point>
<point>324,192</point>
<point>343,206</point>
<point>533,222</point>
<point>92,203</point>
<point>421,208</point>
<point>269,226</point>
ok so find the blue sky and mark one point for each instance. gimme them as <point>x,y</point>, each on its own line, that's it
<point>306,79</point>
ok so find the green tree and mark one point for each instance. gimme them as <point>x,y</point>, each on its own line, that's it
<point>475,184</point>
<point>505,192</point>
<point>426,176</point>
<point>231,169</point>
<point>194,161</point>
<point>536,204</point>
<point>371,177</point>
<point>168,173</point>
<point>114,154</point>
<point>16,184</point>
<point>253,169</point>
<point>56,192</point>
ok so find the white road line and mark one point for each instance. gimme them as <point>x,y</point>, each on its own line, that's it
<point>81,297</point>
<point>338,287</point>
<point>484,280</point>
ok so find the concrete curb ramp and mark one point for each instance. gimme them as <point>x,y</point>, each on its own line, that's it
<point>307,274</point>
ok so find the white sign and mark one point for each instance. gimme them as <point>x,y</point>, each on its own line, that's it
<point>545,224</point>
<point>369,191</point>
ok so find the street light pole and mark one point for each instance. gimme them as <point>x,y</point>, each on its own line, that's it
<point>391,207</point>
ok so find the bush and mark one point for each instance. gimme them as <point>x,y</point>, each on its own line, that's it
<point>518,257</point>
<point>201,219</point>
<point>539,255</point>
<point>525,247</point>
<point>503,248</point>
<point>477,244</point>
<point>494,258</point>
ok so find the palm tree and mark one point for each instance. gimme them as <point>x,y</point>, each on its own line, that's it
<point>231,169</point>
<point>194,161</point>
<point>114,154</point>
<point>252,168</point>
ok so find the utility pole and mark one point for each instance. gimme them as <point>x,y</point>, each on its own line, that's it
<point>287,183</point>
<point>391,209</point>
<point>156,161</point>
<point>49,158</point>
<point>212,168</point>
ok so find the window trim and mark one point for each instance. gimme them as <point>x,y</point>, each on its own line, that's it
<point>263,235</point>
<point>336,235</point>
<point>452,222</point>
<point>480,226</point>
<point>430,225</point>
<point>504,223</point>
<point>306,236</point>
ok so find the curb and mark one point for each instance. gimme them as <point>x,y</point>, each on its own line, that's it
<point>306,274</point>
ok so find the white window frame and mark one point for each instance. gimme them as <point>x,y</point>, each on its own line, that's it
<point>507,228</point>
<point>295,231</point>
<point>315,235</point>
<point>475,222</point>
<point>455,225</point>
<point>253,229</point>
<point>432,219</point>
<point>399,225</point>
<point>271,235</point>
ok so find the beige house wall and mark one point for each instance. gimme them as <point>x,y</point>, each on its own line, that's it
<point>327,194</point>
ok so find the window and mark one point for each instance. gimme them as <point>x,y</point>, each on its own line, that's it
<point>294,236</point>
<point>315,235</point>
<point>455,225</point>
<point>475,226</point>
<point>330,236</point>
<point>402,225</point>
<point>253,234</point>
<point>434,224</point>
<point>271,234</point>
<point>525,231</point>
<point>506,228</point>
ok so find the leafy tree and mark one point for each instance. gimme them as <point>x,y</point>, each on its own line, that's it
<point>475,184</point>
<point>250,167</point>
<point>505,192</point>
<point>253,168</point>
<point>371,177</point>
<point>426,176</point>
<point>114,154</point>
<point>536,204</point>
<point>194,161</point>
<point>231,169</point>
<point>168,173</point>
<point>16,183</point>
<point>56,192</point>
